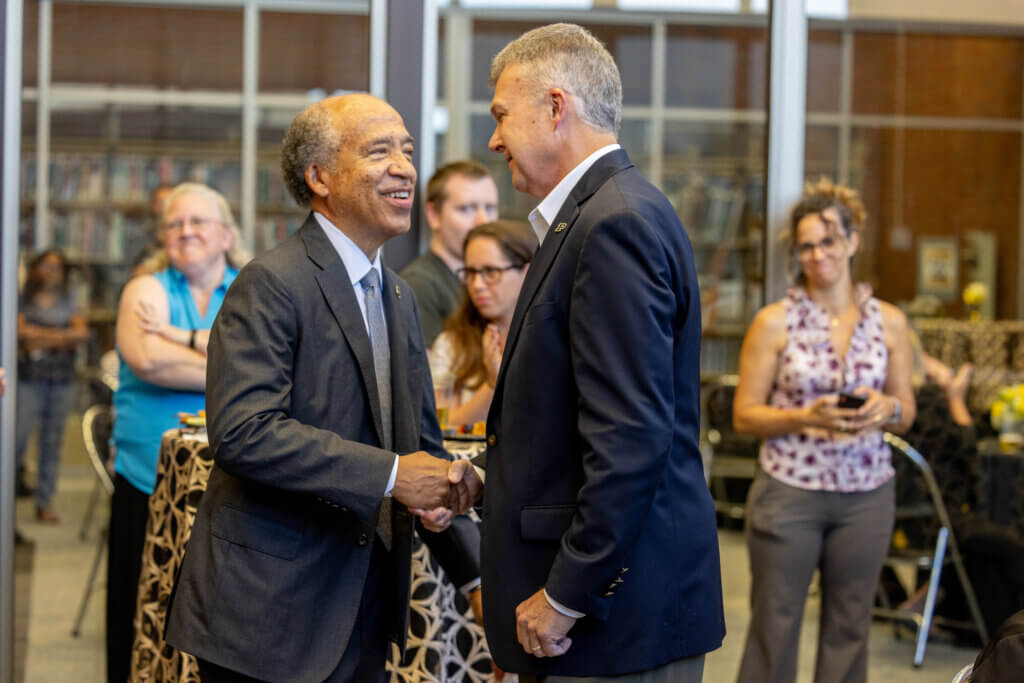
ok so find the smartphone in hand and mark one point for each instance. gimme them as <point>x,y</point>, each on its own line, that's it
<point>847,400</point>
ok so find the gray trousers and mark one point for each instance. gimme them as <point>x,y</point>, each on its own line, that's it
<point>790,533</point>
<point>688,670</point>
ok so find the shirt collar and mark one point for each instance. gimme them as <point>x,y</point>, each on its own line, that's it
<point>542,216</point>
<point>357,264</point>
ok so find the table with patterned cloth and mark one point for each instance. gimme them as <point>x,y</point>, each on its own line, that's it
<point>444,645</point>
<point>994,347</point>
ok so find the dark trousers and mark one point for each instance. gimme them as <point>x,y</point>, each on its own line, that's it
<point>366,654</point>
<point>129,510</point>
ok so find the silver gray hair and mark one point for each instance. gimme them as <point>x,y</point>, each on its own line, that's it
<point>568,56</point>
<point>313,138</point>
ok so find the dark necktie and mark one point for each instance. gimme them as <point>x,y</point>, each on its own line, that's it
<point>382,369</point>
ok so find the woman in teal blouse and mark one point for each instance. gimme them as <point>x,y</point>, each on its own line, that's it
<point>163,326</point>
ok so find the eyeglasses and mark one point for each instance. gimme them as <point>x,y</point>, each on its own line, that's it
<point>490,274</point>
<point>194,222</point>
<point>828,245</point>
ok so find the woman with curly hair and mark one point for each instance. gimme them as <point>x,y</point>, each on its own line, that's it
<point>822,373</point>
<point>468,351</point>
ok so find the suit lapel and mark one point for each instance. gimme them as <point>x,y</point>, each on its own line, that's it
<point>336,286</point>
<point>603,169</point>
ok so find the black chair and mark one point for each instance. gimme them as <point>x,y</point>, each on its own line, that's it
<point>97,427</point>
<point>733,455</point>
<point>931,560</point>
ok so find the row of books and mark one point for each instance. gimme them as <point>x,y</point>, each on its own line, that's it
<point>95,235</point>
<point>126,178</point>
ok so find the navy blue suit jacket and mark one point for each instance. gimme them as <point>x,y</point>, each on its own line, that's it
<point>595,487</point>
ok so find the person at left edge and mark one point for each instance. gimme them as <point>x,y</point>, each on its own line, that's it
<point>298,566</point>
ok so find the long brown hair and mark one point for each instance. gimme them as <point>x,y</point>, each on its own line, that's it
<point>466,326</point>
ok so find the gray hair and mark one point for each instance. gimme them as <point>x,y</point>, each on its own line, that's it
<point>237,255</point>
<point>311,139</point>
<point>568,56</point>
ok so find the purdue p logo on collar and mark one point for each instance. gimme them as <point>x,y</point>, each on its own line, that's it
<point>398,292</point>
<point>561,226</point>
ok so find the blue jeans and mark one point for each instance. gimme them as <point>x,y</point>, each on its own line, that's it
<point>46,404</point>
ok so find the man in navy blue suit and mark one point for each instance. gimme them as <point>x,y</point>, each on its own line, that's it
<point>600,555</point>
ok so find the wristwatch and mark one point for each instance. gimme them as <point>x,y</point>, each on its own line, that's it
<point>897,412</point>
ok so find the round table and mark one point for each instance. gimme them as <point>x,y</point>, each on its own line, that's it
<point>444,643</point>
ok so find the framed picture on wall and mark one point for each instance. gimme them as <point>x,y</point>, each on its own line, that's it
<point>938,266</point>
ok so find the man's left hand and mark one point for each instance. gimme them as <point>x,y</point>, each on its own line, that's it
<point>541,628</point>
<point>436,520</point>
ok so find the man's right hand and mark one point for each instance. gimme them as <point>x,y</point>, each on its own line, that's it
<point>467,488</point>
<point>422,482</point>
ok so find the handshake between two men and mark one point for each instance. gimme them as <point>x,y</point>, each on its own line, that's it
<point>434,489</point>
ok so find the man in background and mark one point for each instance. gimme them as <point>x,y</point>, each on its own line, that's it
<point>460,196</point>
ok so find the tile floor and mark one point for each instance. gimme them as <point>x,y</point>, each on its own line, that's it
<point>62,562</point>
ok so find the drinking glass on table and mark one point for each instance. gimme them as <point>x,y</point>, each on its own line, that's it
<point>444,393</point>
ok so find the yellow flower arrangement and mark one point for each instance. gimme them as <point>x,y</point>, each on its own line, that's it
<point>1008,406</point>
<point>975,293</point>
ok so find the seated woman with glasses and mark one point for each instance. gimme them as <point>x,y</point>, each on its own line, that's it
<point>163,324</point>
<point>465,358</point>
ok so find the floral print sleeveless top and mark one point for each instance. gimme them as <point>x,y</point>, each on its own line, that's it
<point>809,367</point>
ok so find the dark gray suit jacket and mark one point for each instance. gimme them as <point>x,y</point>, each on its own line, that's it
<point>273,576</point>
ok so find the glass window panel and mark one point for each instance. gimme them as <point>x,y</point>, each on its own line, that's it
<point>156,47</point>
<point>334,53</point>
<point>27,185</point>
<point>277,214</point>
<point>824,69</point>
<point>105,161</point>
<point>630,45</point>
<point>821,152</point>
<point>714,176</point>
<point>716,67</point>
<point>937,75</point>
<point>442,23</point>
<point>723,6</point>
<point>30,44</point>
<point>635,138</point>
<point>932,182</point>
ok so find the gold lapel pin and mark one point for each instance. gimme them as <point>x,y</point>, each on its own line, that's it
<point>398,292</point>
<point>561,226</point>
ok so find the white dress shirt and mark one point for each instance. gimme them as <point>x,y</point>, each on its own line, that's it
<point>541,217</point>
<point>357,264</point>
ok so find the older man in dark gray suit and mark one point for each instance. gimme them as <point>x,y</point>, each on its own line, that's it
<point>299,563</point>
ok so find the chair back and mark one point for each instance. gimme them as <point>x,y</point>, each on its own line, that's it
<point>97,428</point>
<point>724,439</point>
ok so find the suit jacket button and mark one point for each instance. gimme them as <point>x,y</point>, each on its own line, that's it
<point>492,440</point>
<point>363,539</point>
<point>344,509</point>
<point>608,594</point>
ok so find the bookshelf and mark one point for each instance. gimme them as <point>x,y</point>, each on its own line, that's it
<point>97,207</point>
